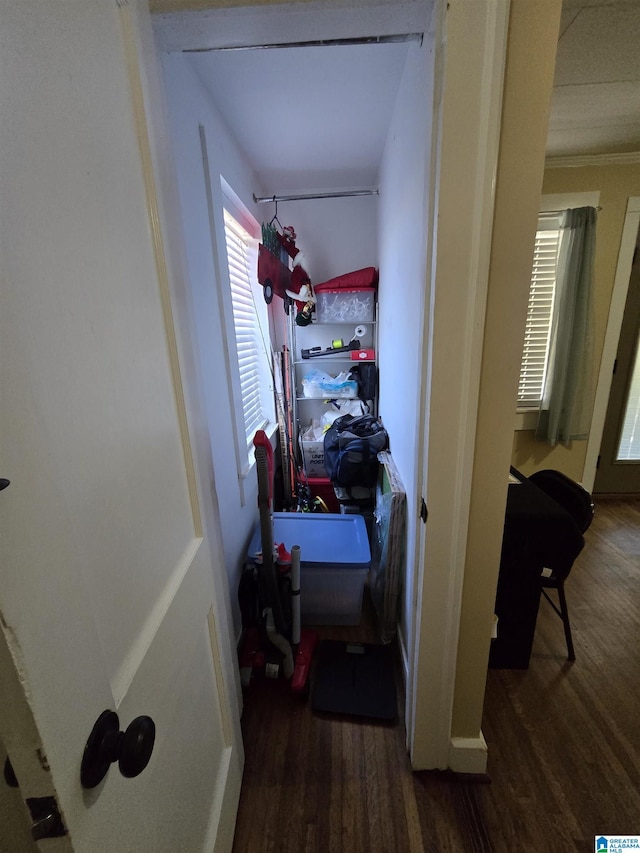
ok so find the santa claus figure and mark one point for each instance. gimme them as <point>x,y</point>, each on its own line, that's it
<point>301,291</point>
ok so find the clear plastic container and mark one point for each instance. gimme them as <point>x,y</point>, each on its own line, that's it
<point>346,306</point>
<point>335,563</point>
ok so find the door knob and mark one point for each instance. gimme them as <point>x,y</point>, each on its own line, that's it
<point>106,744</point>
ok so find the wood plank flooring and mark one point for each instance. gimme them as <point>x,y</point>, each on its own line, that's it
<point>564,741</point>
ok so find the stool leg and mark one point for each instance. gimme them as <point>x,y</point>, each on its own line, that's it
<point>565,621</point>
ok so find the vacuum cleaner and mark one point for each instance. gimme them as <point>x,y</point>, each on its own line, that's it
<point>274,642</point>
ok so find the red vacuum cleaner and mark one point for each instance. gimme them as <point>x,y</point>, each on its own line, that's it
<point>278,594</point>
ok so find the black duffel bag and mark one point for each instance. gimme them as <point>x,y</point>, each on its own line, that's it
<point>351,447</point>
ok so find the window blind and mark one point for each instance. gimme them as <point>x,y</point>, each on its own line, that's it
<point>241,258</point>
<point>535,351</point>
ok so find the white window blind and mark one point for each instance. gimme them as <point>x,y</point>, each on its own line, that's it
<point>541,296</point>
<point>252,359</point>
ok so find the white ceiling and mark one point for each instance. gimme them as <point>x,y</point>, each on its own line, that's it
<point>316,118</point>
<point>596,96</point>
<point>313,117</point>
<point>307,118</point>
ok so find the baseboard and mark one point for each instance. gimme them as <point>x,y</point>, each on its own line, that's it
<point>468,755</point>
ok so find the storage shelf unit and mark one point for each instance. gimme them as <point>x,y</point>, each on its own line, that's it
<point>307,409</point>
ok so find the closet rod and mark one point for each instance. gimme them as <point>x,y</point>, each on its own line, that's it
<point>394,39</point>
<point>346,193</point>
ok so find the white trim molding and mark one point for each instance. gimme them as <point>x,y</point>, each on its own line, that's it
<point>576,161</point>
<point>468,754</point>
<point>472,49</point>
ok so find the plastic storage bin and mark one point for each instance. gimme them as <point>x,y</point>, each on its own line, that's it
<point>345,306</point>
<point>335,562</point>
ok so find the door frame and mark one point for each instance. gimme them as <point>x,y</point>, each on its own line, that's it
<point>433,644</point>
<point>612,338</point>
<point>472,44</point>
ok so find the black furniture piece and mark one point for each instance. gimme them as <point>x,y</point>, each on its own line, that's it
<point>538,533</point>
<point>578,503</point>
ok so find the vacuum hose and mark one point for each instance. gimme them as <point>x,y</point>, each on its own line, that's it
<point>295,594</point>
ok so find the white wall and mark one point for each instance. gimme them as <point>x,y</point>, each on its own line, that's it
<point>189,107</point>
<point>403,251</point>
<point>336,235</point>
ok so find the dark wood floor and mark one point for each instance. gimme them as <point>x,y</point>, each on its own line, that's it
<point>564,742</point>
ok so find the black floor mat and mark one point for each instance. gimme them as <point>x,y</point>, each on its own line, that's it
<point>356,679</point>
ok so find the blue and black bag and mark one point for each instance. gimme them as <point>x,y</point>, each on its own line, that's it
<point>351,447</point>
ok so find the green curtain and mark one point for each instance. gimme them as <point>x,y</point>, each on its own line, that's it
<point>565,409</point>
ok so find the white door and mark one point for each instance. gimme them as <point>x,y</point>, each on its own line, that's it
<point>112,596</point>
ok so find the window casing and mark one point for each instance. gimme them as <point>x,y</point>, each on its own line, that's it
<point>251,335</point>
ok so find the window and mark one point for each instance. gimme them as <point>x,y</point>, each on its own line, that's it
<point>250,321</point>
<point>535,354</point>
<point>541,295</point>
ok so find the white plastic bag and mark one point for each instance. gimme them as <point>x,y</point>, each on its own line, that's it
<point>320,385</point>
<point>314,432</point>
<point>343,407</point>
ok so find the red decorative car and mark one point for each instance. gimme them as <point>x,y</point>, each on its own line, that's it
<point>274,276</point>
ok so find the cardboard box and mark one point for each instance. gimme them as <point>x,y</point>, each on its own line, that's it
<point>313,457</point>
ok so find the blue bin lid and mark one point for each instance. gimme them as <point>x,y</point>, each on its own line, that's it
<point>325,539</point>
